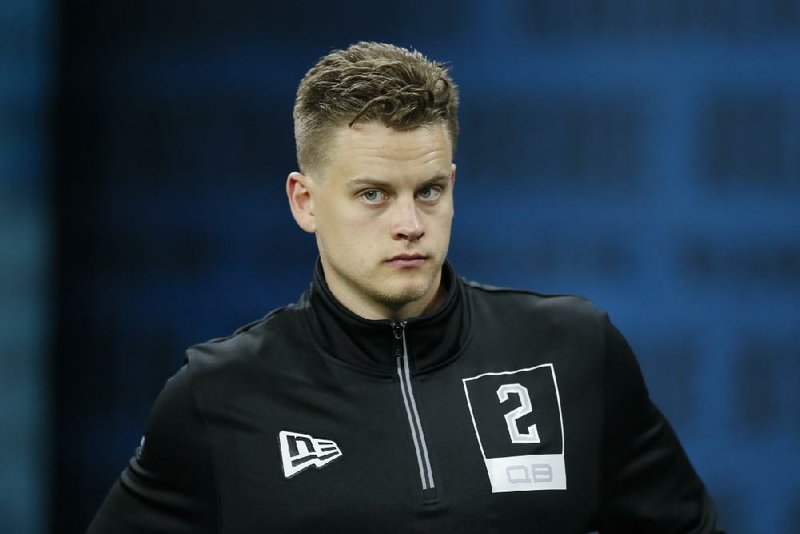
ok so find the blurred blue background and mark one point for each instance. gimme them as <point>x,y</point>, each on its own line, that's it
<point>645,154</point>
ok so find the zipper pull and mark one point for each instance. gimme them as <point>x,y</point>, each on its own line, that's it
<point>398,328</point>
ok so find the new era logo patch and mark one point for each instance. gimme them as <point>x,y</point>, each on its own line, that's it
<point>301,451</point>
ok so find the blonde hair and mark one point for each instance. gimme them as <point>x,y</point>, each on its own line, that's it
<point>369,81</point>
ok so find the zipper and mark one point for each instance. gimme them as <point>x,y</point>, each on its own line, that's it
<point>414,422</point>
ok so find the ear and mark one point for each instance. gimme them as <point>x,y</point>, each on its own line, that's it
<point>452,181</point>
<point>300,201</point>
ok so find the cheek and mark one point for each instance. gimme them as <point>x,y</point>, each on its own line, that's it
<point>359,225</point>
<point>334,219</point>
<point>353,231</point>
<point>442,219</point>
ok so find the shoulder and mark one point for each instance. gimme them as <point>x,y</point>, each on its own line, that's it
<point>253,341</point>
<point>519,304</point>
<point>174,429</point>
<point>170,480</point>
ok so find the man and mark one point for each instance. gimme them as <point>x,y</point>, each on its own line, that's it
<point>395,396</point>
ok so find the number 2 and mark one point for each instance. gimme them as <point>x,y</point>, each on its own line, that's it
<point>532,435</point>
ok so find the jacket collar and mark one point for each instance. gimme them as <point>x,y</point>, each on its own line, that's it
<point>431,340</point>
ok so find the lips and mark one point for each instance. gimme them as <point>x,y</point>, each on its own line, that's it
<point>408,257</point>
<point>407,260</point>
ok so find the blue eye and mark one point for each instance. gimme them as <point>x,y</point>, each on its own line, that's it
<point>372,196</point>
<point>429,193</point>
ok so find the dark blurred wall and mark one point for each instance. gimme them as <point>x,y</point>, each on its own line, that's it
<point>26,67</point>
<point>643,154</point>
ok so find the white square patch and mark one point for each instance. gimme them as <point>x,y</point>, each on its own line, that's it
<point>519,427</point>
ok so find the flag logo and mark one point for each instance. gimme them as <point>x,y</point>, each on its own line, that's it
<point>301,451</point>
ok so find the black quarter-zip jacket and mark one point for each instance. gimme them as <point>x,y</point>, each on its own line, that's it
<point>504,411</point>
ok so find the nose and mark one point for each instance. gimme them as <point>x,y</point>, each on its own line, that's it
<point>407,224</point>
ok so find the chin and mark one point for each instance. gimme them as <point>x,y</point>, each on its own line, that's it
<point>407,294</point>
<point>401,288</point>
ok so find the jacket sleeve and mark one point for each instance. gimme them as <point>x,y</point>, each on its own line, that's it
<point>648,483</point>
<point>168,486</point>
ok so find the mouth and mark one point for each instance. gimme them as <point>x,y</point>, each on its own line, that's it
<point>407,260</point>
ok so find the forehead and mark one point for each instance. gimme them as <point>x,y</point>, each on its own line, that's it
<point>371,147</point>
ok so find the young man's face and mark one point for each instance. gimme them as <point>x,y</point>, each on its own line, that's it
<point>381,209</point>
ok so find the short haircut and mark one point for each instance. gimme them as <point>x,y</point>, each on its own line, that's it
<point>395,86</point>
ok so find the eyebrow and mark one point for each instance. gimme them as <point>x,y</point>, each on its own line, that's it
<point>369,181</point>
